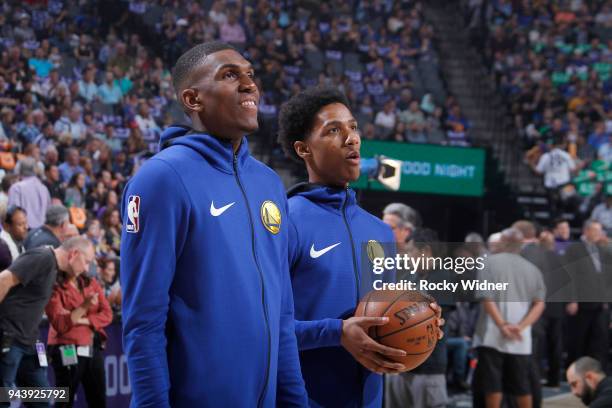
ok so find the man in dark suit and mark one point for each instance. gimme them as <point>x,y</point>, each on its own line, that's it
<point>547,332</point>
<point>589,266</point>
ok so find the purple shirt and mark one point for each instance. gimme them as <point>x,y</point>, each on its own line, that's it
<point>33,196</point>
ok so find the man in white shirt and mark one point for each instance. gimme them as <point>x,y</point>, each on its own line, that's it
<point>15,230</point>
<point>385,119</point>
<point>88,89</point>
<point>556,166</point>
<point>503,331</point>
<point>71,124</point>
<point>146,123</point>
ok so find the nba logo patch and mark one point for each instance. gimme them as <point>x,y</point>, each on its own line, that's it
<point>133,209</point>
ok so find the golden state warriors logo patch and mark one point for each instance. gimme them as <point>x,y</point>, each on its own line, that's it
<point>270,216</point>
<point>375,250</point>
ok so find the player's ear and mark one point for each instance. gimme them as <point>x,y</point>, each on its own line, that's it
<point>191,100</point>
<point>301,149</point>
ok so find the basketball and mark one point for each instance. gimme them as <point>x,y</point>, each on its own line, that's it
<point>411,327</point>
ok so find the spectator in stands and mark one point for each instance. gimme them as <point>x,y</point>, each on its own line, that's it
<point>112,225</point>
<point>385,119</point>
<point>457,127</point>
<point>121,59</point>
<point>30,194</point>
<point>503,332</point>
<point>146,123</point>
<point>111,201</point>
<point>7,182</point>
<point>232,32</point>
<point>435,134</point>
<point>599,137</point>
<point>110,92</point>
<point>78,313</point>
<point>588,264</point>
<point>71,124</point>
<point>75,192</point>
<point>71,166</point>
<point>88,89</point>
<point>15,230</point>
<point>414,119</point>
<point>109,279</point>
<point>23,31</point>
<point>33,151</point>
<point>588,382</point>
<point>403,220</point>
<point>605,150</point>
<point>84,51</point>
<point>562,234</point>
<point>40,64</point>
<point>27,131</point>
<point>70,232</point>
<point>216,13</point>
<point>602,213</point>
<point>53,183</point>
<point>52,232</point>
<point>95,234</point>
<point>25,289</point>
<point>556,166</point>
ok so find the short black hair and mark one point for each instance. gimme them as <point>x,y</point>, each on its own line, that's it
<point>557,221</point>
<point>10,213</point>
<point>297,115</point>
<point>192,58</point>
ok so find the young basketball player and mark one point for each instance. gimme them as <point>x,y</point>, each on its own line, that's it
<point>208,312</point>
<point>340,363</point>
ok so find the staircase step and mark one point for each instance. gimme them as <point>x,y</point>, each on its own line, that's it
<point>476,92</point>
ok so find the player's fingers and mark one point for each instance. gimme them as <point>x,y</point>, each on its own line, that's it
<point>369,364</point>
<point>372,321</point>
<point>372,345</point>
<point>440,321</point>
<point>436,309</point>
<point>383,362</point>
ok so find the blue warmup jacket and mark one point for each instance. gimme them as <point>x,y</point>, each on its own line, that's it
<point>207,304</point>
<point>328,231</point>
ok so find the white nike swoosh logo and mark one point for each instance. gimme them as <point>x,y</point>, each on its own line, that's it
<point>315,254</point>
<point>215,212</point>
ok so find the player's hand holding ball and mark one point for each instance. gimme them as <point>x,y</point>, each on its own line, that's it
<point>365,350</point>
<point>410,321</point>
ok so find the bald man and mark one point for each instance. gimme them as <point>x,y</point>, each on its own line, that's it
<point>589,383</point>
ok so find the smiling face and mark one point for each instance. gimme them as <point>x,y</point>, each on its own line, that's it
<point>223,97</point>
<point>331,148</point>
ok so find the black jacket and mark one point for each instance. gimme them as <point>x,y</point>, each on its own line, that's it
<point>603,394</point>
<point>589,287</point>
<point>556,278</point>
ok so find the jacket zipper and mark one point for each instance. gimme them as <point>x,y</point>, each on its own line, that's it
<point>355,268</point>
<point>263,293</point>
<point>356,271</point>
